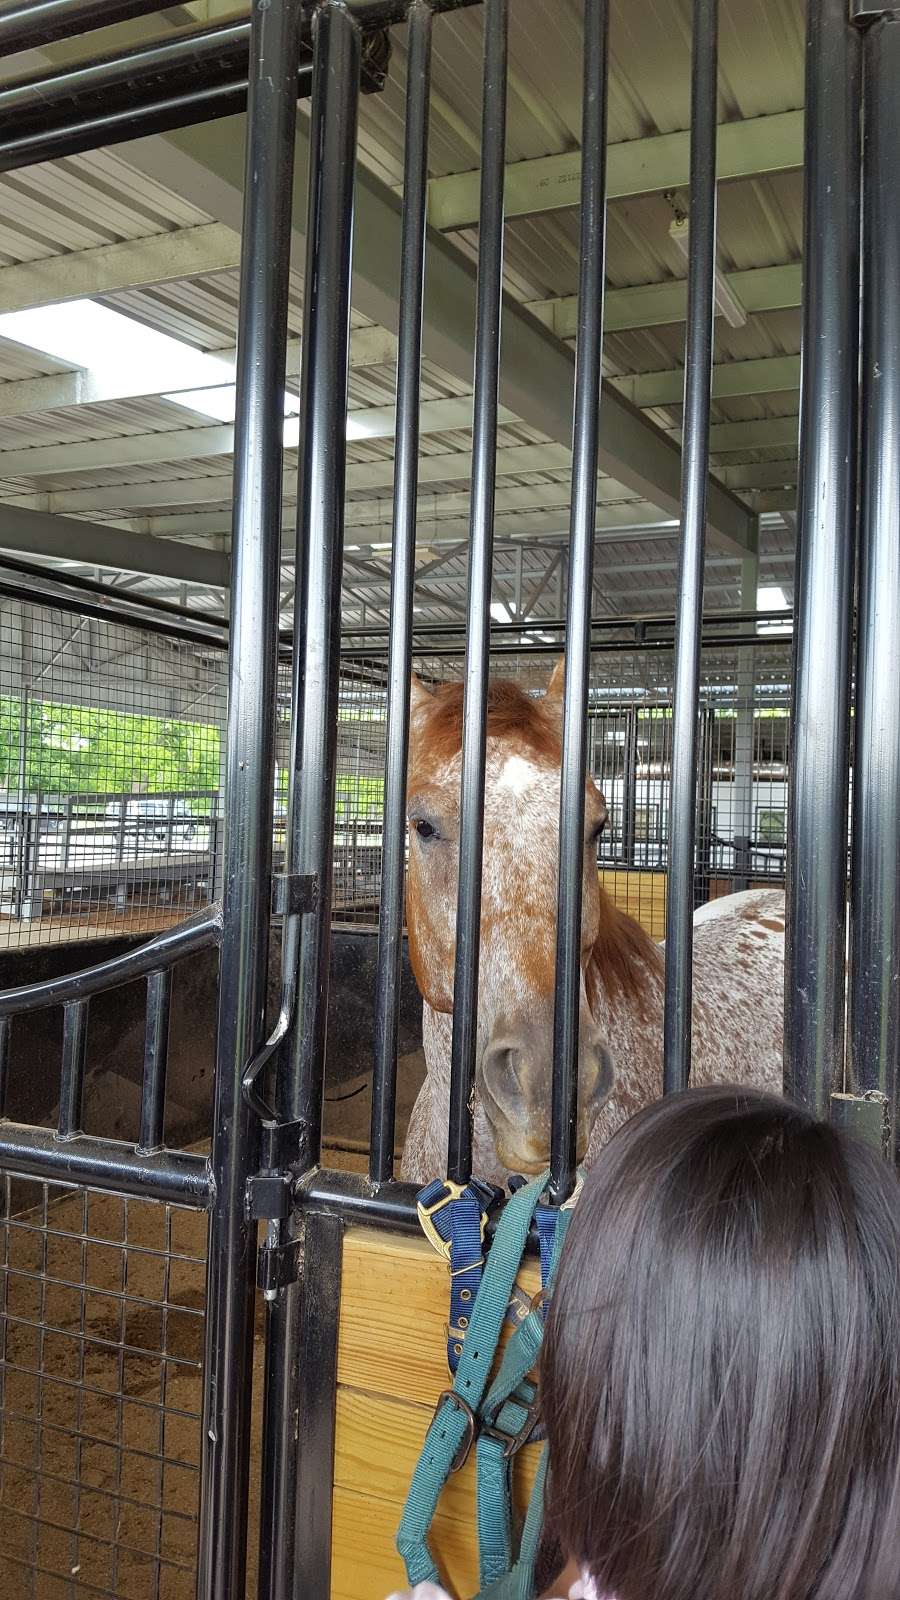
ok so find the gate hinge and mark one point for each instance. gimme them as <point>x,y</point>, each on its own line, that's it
<point>278,1264</point>
<point>294,892</point>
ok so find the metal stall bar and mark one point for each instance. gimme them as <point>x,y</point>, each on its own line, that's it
<point>403,573</point>
<point>156,1051</point>
<point>293,1500</point>
<point>256,555</point>
<point>192,76</point>
<point>585,450</point>
<point>689,608</point>
<point>817,801</point>
<point>28,27</point>
<point>875,951</point>
<point>478,603</point>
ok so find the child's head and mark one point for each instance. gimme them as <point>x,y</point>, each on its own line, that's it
<point>721,1374</point>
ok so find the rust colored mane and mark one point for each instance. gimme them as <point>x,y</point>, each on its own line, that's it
<point>624,960</point>
<point>511,714</point>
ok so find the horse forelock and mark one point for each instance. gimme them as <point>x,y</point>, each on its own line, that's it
<point>513,716</point>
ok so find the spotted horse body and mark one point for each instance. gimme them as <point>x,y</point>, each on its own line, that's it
<point>738,951</point>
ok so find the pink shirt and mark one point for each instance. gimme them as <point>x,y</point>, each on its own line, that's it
<point>582,1590</point>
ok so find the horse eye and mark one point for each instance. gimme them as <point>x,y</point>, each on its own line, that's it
<point>424,829</point>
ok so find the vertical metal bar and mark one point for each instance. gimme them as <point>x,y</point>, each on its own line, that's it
<point>156,1051</point>
<point>823,595</point>
<point>629,786</point>
<point>320,537</point>
<point>316,1357</point>
<point>5,1037</point>
<point>71,1087</point>
<point>478,613</point>
<point>403,571</point>
<point>293,1482</point>
<point>585,448</point>
<point>67,832</point>
<point>256,555</point>
<point>875,967</point>
<point>689,608</point>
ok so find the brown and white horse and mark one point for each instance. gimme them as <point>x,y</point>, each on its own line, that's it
<point>738,951</point>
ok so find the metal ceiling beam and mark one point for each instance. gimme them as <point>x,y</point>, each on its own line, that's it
<point>216,488</point>
<point>761,475</point>
<point>376,422</point>
<point>746,149</point>
<point>768,375</point>
<point>517,523</point>
<point>760,434</point>
<point>216,492</point>
<point>37,533</point>
<point>130,264</point>
<point>651,305</point>
<point>205,166</point>
<point>25,396</point>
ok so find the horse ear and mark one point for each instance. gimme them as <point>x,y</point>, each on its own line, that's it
<point>419,697</point>
<point>553,698</point>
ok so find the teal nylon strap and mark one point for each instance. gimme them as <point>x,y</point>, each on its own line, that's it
<point>518,1584</point>
<point>452,1420</point>
<point>506,1413</point>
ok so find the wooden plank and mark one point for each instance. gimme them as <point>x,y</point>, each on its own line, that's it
<point>366,1566</point>
<point>392,1339</point>
<point>377,1445</point>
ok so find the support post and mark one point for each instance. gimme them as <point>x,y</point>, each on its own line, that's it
<point>256,553</point>
<point>875,945</point>
<point>583,522</point>
<point>689,609</point>
<point>823,593</point>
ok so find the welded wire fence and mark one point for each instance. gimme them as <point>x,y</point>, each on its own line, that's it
<point>101,1335</point>
<point>111,758</point>
<point>111,755</point>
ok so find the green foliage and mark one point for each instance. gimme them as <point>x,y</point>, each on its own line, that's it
<point>83,750</point>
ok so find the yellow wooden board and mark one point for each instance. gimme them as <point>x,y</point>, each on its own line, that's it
<point>391,1368</point>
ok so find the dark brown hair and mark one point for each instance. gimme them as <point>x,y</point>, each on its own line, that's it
<point>721,1375</point>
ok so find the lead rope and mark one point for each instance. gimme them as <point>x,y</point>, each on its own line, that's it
<point>500,1424</point>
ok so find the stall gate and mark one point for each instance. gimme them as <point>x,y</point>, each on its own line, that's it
<point>68,1416</point>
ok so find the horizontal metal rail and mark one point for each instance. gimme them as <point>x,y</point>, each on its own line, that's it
<point>178,1177</point>
<point>200,932</point>
<point>40,22</point>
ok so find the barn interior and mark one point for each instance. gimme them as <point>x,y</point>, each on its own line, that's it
<point>119,275</point>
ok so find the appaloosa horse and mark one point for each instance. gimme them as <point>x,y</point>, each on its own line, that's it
<point>738,951</point>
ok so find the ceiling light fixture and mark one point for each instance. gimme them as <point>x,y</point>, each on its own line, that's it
<point>727,303</point>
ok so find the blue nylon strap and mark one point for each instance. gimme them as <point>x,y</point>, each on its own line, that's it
<point>546,1218</point>
<point>452,1420</point>
<point>459,1225</point>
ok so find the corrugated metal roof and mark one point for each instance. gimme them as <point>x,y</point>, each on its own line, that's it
<point>94,200</point>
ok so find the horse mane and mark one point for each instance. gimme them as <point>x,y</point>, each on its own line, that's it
<point>510,713</point>
<point>625,960</point>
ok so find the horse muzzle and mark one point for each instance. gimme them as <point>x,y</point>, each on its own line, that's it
<point>515,1089</point>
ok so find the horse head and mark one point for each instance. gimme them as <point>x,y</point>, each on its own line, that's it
<point>518,903</point>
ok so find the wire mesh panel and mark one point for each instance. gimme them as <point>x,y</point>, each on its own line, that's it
<point>110,775</point>
<point>100,1393</point>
